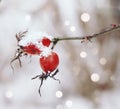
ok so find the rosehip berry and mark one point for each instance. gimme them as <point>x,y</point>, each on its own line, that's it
<point>46,42</point>
<point>49,63</point>
<point>31,49</point>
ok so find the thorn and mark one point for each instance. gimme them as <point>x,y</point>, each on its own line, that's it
<point>39,92</point>
<point>12,66</point>
<point>86,38</point>
<point>35,77</point>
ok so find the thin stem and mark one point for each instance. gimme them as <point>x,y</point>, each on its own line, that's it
<point>82,38</point>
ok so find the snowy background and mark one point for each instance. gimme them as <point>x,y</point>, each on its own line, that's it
<point>89,72</point>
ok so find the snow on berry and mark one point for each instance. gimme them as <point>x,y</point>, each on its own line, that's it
<point>34,43</point>
<point>49,63</point>
<point>45,51</point>
<point>35,38</point>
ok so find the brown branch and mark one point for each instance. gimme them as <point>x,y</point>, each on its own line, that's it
<point>83,38</point>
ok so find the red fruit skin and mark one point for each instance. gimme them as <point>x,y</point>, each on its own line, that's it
<point>31,49</point>
<point>49,63</point>
<point>46,42</point>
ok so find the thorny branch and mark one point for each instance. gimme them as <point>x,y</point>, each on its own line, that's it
<point>113,28</point>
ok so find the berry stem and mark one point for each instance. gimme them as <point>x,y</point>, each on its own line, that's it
<point>89,37</point>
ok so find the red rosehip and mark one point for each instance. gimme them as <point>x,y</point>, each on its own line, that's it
<point>46,41</point>
<point>49,63</point>
<point>31,49</point>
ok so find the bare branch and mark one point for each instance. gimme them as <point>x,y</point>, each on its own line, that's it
<point>89,37</point>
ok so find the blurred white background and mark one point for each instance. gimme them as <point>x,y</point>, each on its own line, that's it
<point>89,72</point>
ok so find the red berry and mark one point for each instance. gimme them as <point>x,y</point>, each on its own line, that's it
<point>46,41</point>
<point>31,49</point>
<point>49,63</point>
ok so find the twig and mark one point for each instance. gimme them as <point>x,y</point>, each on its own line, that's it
<point>83,38</point>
